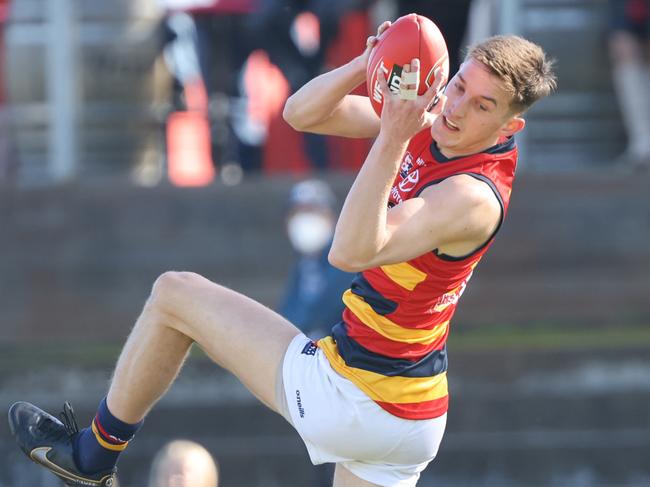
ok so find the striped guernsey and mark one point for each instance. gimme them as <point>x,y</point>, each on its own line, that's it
<point>392,339</point>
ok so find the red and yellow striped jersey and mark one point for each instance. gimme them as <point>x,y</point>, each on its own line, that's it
<point>391,341</point>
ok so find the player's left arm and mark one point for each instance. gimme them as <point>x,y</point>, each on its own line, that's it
<point>455,216</point>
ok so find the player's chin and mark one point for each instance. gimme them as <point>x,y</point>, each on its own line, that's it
<point>440,135</point>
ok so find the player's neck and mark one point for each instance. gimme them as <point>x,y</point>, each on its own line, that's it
<point>468,150</point>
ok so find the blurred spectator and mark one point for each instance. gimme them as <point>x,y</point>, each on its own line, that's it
<point>215,47</point>
<point>232,45</point>
<point>189,143</point>
<point>297,35</point>
<point>629,44</point>
<point>312,299</point>
<point>451,19</point>
<point>183,463</point>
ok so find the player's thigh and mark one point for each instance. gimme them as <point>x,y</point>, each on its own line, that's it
<point>237,332</point>
<point>344,478</point>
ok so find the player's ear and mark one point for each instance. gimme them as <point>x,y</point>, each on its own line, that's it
<point>512,126</point>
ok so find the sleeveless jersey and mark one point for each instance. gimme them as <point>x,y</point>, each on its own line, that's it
<point>391,341</point>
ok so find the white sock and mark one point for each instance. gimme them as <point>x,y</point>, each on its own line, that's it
<point>633,93</point>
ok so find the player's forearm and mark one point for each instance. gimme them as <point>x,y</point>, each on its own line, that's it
<point>361,229</point>
<point>317,100</point>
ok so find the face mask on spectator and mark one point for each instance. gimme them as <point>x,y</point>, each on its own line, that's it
<point>309,232</point>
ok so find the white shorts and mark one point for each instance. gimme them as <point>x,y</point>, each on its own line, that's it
<point>341,424</point>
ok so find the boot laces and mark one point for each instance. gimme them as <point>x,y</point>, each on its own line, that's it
<point>69,421</point>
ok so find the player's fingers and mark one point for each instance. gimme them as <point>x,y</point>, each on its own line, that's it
<point>429,118</point>
<point>437,105</point>
<point>440,79</point>
<point>384,25</point>
<point>406,69</point>
<point>403,84</point>
<point>383,84</point>
<point>434,90</point>
<point>415,64</point>
<point>372,40</point>
<point>430,95</point>
<point>410,79</point>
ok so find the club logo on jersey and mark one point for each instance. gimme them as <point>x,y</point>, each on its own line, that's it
<point>393,79</point>
<point>410,181</point>
<point>310,349</point>
<point>397,198</point>
<point>406,166</point>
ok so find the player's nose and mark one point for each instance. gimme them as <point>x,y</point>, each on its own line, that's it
<point>456,108</point>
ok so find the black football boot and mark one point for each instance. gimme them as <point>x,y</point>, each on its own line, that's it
<point>48,442</point>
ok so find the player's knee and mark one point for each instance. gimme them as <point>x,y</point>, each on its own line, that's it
<point>170,287</point>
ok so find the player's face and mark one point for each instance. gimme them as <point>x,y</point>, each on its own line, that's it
<point>476,114</point>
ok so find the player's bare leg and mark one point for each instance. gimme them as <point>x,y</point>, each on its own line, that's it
<point>238,333</point>
<point>344,478</point>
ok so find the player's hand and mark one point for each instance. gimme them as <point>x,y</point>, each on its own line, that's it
<point>370,44</point>
<point>401,117</point>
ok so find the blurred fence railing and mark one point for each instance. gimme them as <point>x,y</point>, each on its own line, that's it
<point>82,85</point>
<point>580,125</point>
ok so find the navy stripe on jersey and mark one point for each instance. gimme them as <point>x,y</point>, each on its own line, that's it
<point>501,148</point>
<point>379,304</point>
<point>499,198</point>
<point>359,357</point>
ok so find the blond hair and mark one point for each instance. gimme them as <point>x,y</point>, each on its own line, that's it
<point>522,66</point>
<point>184,463</point>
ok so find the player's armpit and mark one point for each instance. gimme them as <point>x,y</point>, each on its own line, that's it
<point>455,216</point>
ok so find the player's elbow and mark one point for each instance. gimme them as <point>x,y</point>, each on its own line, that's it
<point>291,114</point>
<point>345,262</point>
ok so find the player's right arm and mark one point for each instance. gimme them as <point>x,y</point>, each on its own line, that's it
<point>324,105</point>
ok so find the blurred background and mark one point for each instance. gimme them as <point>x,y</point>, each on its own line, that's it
<point>138,136</point>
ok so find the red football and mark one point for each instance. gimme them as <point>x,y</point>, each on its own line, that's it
<point>409,37</point>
